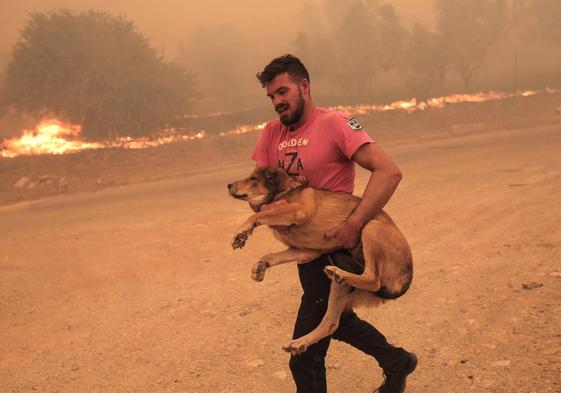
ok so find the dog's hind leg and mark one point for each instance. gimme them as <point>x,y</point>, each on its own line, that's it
<point>340,298</point>
<point>369,280</point>
<point>289,255</point>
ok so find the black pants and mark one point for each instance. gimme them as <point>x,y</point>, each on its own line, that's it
<point>308,369</point>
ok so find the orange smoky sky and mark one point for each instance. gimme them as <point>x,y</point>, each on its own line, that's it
<point>224,43</point>
<point>168,22</point>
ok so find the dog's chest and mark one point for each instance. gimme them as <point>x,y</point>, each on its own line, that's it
<point>304,237</point>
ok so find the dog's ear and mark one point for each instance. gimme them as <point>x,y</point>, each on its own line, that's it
<point>271,174</point>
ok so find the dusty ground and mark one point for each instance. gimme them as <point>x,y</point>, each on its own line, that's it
<point>136,289</point>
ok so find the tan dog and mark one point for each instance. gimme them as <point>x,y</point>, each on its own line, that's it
<point>310,213</point>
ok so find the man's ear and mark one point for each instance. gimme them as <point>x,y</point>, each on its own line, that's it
<point>305,87</point>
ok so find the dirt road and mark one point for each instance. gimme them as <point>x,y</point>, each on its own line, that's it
<point>136,288</point>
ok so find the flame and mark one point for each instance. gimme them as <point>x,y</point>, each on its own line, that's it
<point>170,135</point>
<point>244,129</point>
<point>211,114</point>
<point>437,102</point>
<point>52,136</point>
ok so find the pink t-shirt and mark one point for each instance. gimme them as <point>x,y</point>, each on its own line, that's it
<point>318,152</point>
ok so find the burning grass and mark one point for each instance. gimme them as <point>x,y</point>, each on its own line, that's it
<point>52,136</point>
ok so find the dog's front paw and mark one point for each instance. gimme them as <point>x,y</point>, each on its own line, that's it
<point>296,347</point>
<point>242,235</point>
<point>334,273</point>
<point>239,240</point>
<point>258,270</point>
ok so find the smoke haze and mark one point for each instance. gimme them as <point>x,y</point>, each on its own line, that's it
<point>225,43</point>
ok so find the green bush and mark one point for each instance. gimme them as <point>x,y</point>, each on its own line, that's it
<point>97,70</point>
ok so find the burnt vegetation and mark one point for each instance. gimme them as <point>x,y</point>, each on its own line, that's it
<point>97,70</point>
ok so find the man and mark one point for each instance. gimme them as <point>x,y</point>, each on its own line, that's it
<point>321,147</point>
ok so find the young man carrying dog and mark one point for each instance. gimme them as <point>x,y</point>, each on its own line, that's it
<point>320,147</point>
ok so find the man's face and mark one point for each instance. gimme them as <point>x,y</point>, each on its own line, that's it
<point>286,96</point>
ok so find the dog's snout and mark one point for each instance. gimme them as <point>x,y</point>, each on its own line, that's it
<point>230,186</point>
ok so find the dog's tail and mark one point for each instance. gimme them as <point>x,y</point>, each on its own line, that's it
<point>406,279</point>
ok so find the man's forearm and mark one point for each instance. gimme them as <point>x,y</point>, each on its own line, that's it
<point>378,192</point>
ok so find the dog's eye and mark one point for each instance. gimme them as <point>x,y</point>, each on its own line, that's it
<point>253,178</point>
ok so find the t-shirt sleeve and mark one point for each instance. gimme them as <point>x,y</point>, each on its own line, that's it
<point>261,151</point>
<point>349,134</point>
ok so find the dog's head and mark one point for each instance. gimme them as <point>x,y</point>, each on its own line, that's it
<point>263,186</point>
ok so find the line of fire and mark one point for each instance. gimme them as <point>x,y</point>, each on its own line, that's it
<point>53,136</point>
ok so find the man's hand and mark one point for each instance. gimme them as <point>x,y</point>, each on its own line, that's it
<point>348,234</point>
<point>279,228</point>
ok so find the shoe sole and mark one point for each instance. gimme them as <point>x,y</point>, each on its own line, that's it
<point>410,369</point>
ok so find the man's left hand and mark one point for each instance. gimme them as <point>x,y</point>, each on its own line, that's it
<point>348,234</point>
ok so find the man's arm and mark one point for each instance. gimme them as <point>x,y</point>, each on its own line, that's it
<point>381,186</point>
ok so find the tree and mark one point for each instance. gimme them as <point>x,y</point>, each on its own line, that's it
<point>426,62</point>
<point>369,39</point>
<point>391,36</point>
<point>470,29</point>
<point>97,70</point>
<point>315,46</point>
<point>358,49</point>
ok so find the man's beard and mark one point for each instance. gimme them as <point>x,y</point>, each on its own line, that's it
<point>297,114</point>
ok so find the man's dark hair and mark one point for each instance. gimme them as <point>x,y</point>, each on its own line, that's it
<point>286,63</point>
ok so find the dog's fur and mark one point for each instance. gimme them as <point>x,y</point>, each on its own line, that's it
<point>387,268</point>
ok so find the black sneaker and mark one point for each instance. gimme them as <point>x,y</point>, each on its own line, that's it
<point>394,379</point>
